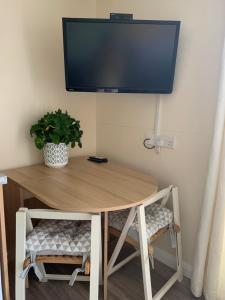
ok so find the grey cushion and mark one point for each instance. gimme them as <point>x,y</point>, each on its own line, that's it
<point>59,237</point>
<point>156,218</point>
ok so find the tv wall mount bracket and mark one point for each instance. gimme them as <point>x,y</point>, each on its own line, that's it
<point>119,16</point>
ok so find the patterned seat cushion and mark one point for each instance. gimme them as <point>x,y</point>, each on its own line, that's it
<point>59,237</point>
<point>156,218</point>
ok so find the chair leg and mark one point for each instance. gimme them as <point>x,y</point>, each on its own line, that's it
<point>27,281</point>
<point>100,261</point>
<point>20,254</point>
<point>178,235</point>
<point>144,253</point>
<point>95,256</point>
<point>179,257</point>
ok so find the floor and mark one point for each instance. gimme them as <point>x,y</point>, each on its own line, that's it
<point>123,285</point>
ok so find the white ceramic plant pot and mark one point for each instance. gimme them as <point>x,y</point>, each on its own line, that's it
<point>56,156</point>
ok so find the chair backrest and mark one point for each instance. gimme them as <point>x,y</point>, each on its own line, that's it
<point>51,214</point>
<point>162,195</point>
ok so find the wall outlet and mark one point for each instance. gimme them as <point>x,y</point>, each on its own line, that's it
<point>167,141</point>
<point>161,141</point>
<point>3,179</point>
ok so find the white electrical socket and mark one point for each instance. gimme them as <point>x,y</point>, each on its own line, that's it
<point>162,141</point>
<point>3,179</point>
<point>167,141</point>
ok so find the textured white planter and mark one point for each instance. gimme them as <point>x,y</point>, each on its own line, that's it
<point>56,156</point>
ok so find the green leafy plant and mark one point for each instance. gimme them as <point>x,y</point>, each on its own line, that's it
<point>56,127</point>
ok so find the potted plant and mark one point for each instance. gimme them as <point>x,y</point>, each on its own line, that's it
<point>53,133</point>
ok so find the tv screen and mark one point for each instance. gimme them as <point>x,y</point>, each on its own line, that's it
<point>126,56</point>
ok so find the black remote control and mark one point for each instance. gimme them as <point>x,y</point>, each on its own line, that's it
<point>98,159</point>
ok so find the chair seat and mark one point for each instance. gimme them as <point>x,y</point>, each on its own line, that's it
<point>59,237</point>
<point>156,218</point>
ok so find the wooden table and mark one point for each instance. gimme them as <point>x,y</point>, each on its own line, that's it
<point>82,186</point>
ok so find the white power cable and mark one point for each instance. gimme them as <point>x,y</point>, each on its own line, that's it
<point>157,115</point>
<point>157,120</point>
<point>151,143</point>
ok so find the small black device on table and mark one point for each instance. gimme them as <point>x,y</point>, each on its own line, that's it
<point>98,159</point>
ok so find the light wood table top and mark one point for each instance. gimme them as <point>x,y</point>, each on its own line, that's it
<point>84,186</point>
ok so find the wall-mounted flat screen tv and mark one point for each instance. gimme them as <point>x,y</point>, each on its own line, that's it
<point>125,56</point>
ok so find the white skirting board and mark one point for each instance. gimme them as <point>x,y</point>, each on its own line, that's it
<point>170,260</point>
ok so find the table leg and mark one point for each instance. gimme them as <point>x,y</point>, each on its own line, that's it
<point>21,197</point>
<point>106,223</point>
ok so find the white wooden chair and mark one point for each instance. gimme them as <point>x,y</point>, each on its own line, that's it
<point>143,225</point>
<point>25,233</point>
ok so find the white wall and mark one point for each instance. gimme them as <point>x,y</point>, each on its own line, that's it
<point>32,82</point>
<point>32,75</point>
<point>187,114</point>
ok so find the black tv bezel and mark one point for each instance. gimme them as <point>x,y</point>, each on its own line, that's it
<point>124,89</point>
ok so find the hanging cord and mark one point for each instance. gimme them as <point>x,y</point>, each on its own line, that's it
<point>151,255</point>
<point>33,265</point>
<point>152,261</point>
<point>172,236</point>
<point>78,270</point>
